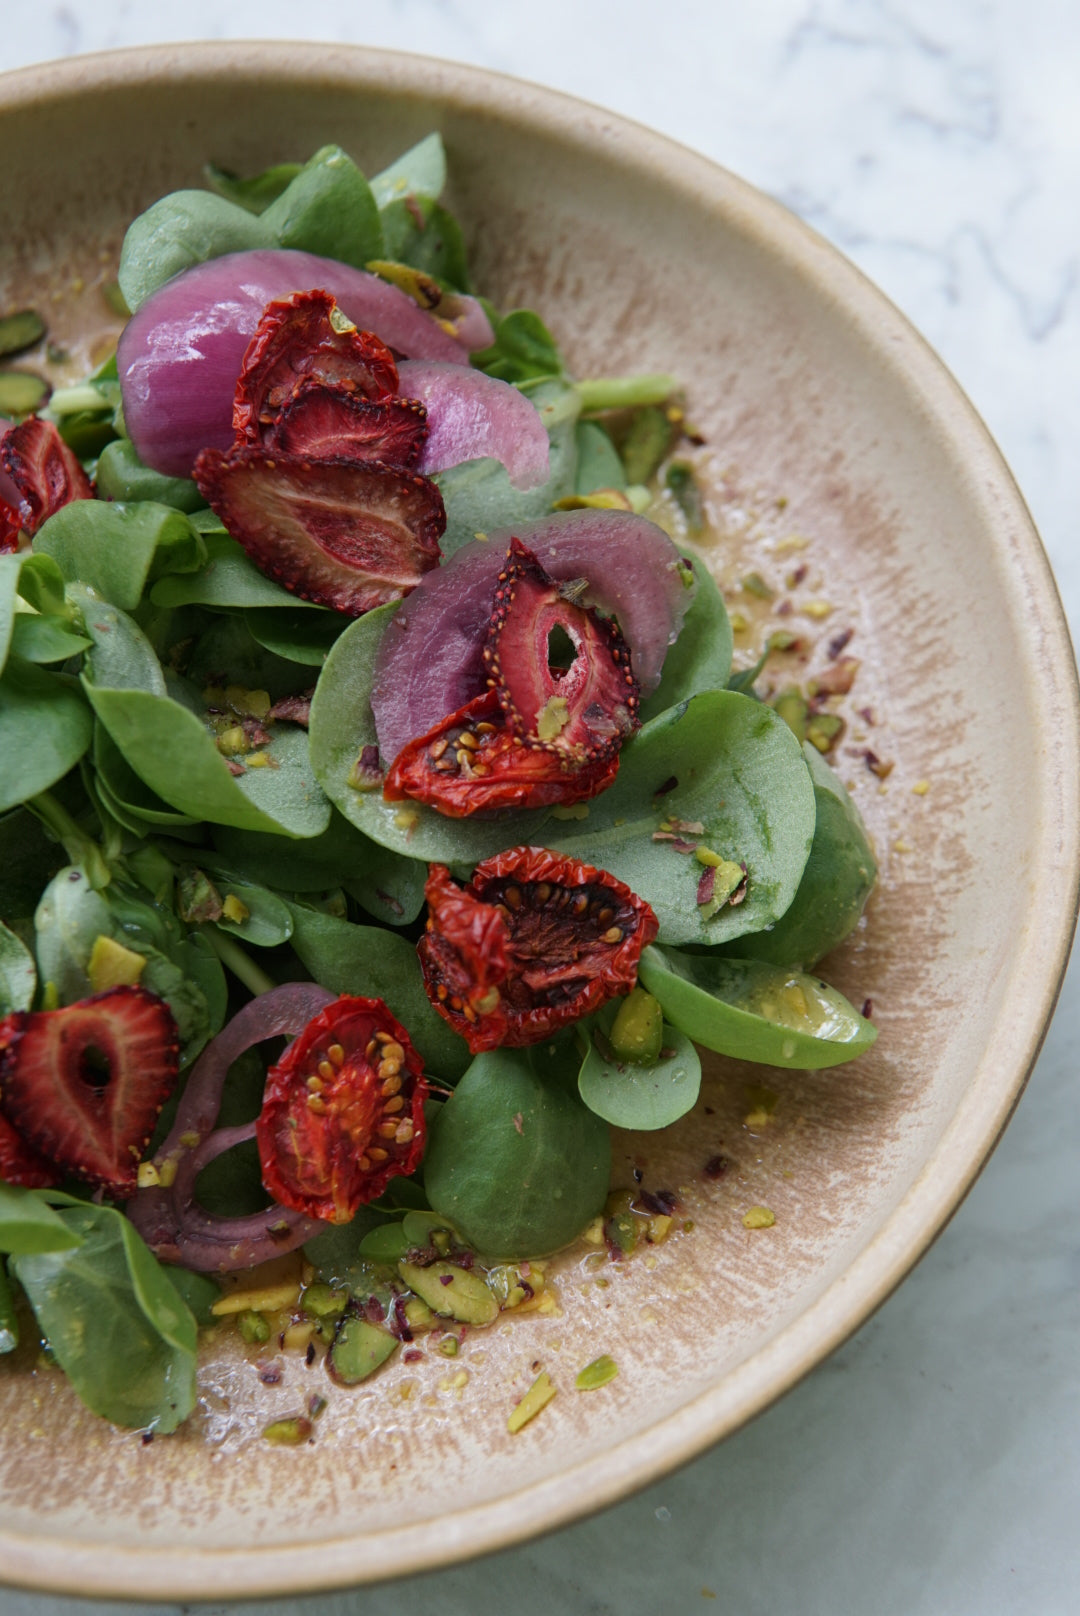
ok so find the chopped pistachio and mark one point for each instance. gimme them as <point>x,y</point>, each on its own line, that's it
<point>261,1299</point>
<point>234,910</point>
<point>921,787</point>
<point>248,703</point>
<point>754,584</point>
<point>359,1349</point>
<point>646,443</point>
<point>111,965</point>
<point>418,1315</point>
<point>552,718</point>
<point>147,1176</point>
<point>297,1336</point>
<point>448,1346</point>
<point>601,499</point>
<point>792,708</point>
<point>259,760</point>
<point>596,1374</point>
<point>254,1328</point>
<point>817,609</point>
<point>574,810</point>
<point>452,1292</point>
<point>824,730</point>
<point>21,392</point>
<point>290,1432</point>
<point>739,624</point>
<point>538,1396</point>
<point>637,1033</point>
<point>321,1301</point>
<point>759,1217</point>
<point>232,740</point>
<point>19,331</point>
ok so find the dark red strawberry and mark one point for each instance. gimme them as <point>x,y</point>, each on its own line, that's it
<point>45,472</point>
<point>474,762</point>
<point>299,336</point>
<point>18,1163</point>
<point>84,1085</point>
<point>583,703</point>
<point>346,535</point>
<point>326,421</point>
<point>10,528</point>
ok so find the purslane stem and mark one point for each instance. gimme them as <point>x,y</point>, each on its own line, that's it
<point>79,847</point>
<point>624,392</point>
<point>236,960</point>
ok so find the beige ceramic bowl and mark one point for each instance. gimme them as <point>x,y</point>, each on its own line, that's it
<point>811,390</point>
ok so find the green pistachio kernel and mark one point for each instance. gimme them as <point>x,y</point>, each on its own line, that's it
<point>253,1327</point>
<point>288,1433</point>
<point>451,1292</point>
<point>359,1349</point>
<point>637,1034</point>
<point>321,1301</point>
<point>596,1374</point>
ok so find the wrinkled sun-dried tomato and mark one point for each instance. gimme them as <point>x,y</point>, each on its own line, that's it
<point>306,336</point>
<point>474,762</point>
<point>343,1111</point>
<point>536,940</point>
<point>46,474</point>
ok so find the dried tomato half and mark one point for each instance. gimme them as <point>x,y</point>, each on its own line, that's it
<point>475,762</point>
<point>343,1111</point>
<point>561,671</point>
<point>45,472</point>
<point>536,940</point>
<point>300,336</point>
<point>327,420</point>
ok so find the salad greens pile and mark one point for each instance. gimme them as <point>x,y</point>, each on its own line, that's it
<point>144,837</point>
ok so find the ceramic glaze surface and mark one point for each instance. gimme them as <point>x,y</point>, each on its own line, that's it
<point>825,420</point>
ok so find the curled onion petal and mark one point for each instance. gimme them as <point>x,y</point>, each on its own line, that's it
<point>180,354</point>
<point>472,417</point>
<point>170,1220</point>
<point>430,661</point>
<point>471,325</point>
<point>635,574</point>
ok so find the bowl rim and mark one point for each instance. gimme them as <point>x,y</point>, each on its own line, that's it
<point>998,1080</point>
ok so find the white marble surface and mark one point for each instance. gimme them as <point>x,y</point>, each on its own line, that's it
<point>930,1468</point>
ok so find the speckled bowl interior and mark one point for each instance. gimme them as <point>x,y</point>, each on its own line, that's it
<point>827,421</point>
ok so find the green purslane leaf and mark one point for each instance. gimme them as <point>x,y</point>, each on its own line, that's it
<point>524,350</point>
<point>268,922</point>
<point>114,1321</point>
<point>515,1161</point>
<point>9,1318</point>
<point>173,752</point>
<point>122,476</point>
<point>327,208</point>
<point>302,635</point>
<point>130,799</point>
<point>389,886</point>
<point>478,494</point>
<point>118,549</point>
<point>121,657</point>
<point>377,964</point>
<point>29,1226</point>
<point>640,1097</point>
<point>421,171</point>
<point>226,580</point>
<point>739,771</point>
<point>45,639</point>
<point>227,653</point>
<point>755,1011</point>
<point>29,858</point>
<point>427,237</point>
<point>254,194</point>
<point>839,877</point>
<point>342,724</point>
<point>599,464</point>
<point>45,727</point>
<point>700,659</point>
<point>18,974</point>
<point>38,580</point>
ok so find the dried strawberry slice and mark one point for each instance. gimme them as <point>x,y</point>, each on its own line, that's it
<point>301,336</point>
<point>84,1085</point>
<point>346,535</point>
<point>326,420</point>
<point>584,703</point>
<point>18,1163</point>
<point>343,1111</point>
<point>474,762</point>
<point>45,473</point>
<point>10,528</point>
<point>536,940</point>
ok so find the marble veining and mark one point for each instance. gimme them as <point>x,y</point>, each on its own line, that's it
<point>929,1465</point>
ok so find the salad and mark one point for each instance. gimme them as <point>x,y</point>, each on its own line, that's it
<point>381,820</point>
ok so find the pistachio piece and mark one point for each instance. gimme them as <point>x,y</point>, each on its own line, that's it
<point>538,1396</point>
<point>359,1349</point>
<point>596,1374</point>
<point>253,1327</point>
<point>20,331</point>
<point>637,1033</point>
<point>111,965</point>
<point>451,1292</point>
